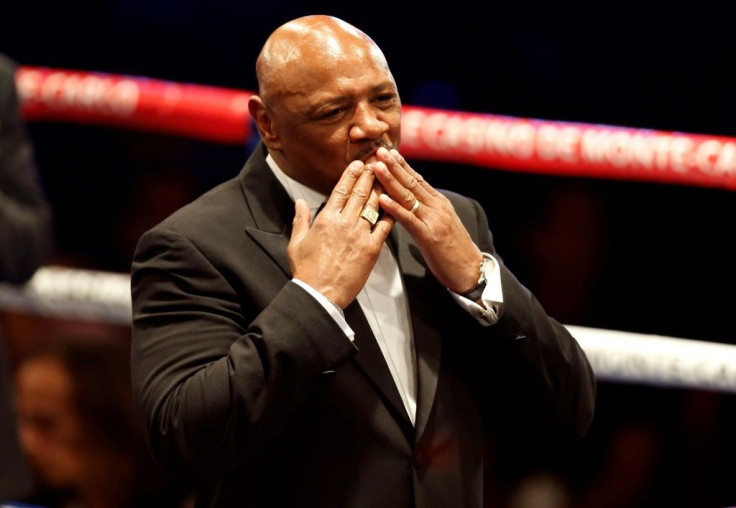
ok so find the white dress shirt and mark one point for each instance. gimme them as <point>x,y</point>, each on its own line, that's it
<point>384,304</point>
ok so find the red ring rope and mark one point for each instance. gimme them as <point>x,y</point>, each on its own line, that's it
<point>493,141</point>
<point>198,111</point>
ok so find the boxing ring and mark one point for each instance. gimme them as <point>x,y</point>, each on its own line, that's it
<point>492,141</point>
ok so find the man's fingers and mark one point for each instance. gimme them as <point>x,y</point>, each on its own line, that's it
<point>345,185</point>
<point>402,183</point>
<point>399,212</point>
<point>382,228</point>
<point>360,194</point>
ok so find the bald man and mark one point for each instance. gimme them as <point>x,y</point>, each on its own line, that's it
<point>355,357</point>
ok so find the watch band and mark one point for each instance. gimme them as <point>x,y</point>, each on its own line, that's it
<point>477,291</point>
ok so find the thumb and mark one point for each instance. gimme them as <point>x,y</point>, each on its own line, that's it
<point>301,220</point>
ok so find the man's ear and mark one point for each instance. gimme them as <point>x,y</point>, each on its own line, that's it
<point>264,122</point>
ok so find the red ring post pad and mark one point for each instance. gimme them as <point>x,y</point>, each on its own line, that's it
<point>197,111</point>
<point>568,149</point>
<point>483,140</point>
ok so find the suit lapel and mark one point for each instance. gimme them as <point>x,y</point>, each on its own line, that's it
<point>270,206</point>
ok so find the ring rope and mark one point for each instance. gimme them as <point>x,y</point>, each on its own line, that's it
<point>616,356</point>
<point>483,140</point>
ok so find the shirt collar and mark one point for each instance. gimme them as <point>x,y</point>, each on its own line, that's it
<point>296,190</point>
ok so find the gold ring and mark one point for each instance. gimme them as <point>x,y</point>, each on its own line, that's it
<point>415,207</point>
<point>370,214</point>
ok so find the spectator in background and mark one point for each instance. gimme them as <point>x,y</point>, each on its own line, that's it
<point>25,243</point>
<point>25,215</point>
<point>80,431</point>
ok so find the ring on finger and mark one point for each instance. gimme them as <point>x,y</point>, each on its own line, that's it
<point>370,214</point>
<point>415,206</point>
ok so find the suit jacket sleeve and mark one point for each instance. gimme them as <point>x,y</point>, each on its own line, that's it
<point>25,217</point>
<point>547,386</point>
<point>214,384</point>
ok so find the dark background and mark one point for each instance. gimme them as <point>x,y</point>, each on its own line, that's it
<point>630,256</point>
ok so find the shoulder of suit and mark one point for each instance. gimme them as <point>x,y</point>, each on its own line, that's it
<point>223,203</point>
<point>464,206</point>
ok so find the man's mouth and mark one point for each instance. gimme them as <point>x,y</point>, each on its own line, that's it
<point>368,154</point>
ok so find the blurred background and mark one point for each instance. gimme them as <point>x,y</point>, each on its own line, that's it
<point>632,256</point>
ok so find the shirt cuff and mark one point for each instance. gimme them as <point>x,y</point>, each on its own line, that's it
<point>492,297</point>
<point>330,307</point>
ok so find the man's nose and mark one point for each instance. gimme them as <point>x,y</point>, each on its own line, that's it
<point>367,123</point>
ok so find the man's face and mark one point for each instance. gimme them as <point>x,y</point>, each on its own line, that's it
<point>333,111</point>
<point>51,433</point>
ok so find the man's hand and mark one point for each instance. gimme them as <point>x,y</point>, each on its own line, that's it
<point>335,255</point>
<point>435,227</point>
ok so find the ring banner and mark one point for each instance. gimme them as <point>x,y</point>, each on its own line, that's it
<point>483,140</point>
<point>203,112</point>
<point>569,149</point>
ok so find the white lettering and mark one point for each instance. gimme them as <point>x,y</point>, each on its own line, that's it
<point>593,146</point>
<point>558,143</point>
<point>706,155</point>
<point>29,84</point>
<point>522,140</point>
<point>618,153</point>
<point>60,90</point>
<point>496,137</point>
<point>473,134</point>
<point>569,143</point>
<point>411,123</point>
<point>681,154</point>
<point>51,88</point>
<point>642,149</point>
<point>452,133</point>
<point>547,142</point>
<point>124,97</point>
<point>727,160</point>
<point>432,129</point>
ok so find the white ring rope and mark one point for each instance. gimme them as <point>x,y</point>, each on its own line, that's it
<point>627,357</point>
<point>616,356</point>
<point>71,293</point>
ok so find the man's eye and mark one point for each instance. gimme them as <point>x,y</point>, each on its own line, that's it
<point>333,112</point>
<point>385,97</point>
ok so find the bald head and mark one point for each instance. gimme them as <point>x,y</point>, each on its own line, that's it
<point>302,48</point>
<point>325,98</point>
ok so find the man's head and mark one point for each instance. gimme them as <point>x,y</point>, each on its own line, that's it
<point>76,416</point>
<point>326,97</point>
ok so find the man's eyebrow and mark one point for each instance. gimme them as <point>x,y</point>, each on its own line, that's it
<point>385,86</point>
<point>339,100</point>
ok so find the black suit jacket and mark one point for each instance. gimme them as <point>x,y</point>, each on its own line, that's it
<point>251,391</point>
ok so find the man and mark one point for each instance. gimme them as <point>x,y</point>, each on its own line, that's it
<point>25,244</point>
<point>356,358</point>
<point>26,235</point>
